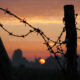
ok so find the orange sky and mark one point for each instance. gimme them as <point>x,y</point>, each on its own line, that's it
<point>45,14</point>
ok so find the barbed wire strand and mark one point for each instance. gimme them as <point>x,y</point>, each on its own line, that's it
<point>46,41</point>
<point>35,29</point>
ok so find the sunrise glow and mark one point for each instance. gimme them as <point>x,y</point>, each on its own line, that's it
<point>42,61</point>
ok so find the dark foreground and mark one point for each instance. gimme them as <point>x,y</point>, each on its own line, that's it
<point>38,74</point>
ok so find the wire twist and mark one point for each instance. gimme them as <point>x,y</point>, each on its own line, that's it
<point>40,32</point>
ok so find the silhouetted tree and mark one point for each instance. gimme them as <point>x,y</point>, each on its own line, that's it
<point>18,59</point>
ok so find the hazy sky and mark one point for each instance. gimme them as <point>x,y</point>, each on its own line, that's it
<point>45,14</point>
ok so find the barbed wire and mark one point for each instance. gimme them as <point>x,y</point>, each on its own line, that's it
<point>40,32</point>
<point>46,40</point>
<point>12,34</point>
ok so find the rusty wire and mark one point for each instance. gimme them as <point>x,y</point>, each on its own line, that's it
<point>40,32</point>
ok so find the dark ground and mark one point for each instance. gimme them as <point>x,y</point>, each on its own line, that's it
<point>38,74</point>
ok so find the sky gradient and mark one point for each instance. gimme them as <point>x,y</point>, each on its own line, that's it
<point>44,14</point>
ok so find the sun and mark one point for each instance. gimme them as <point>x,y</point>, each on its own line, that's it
<point>42,61</point>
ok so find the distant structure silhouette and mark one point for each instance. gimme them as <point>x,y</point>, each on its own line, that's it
<point>5,64</point>
<point>37,60</point>
<point>50,60</point>
<point>18,59</point>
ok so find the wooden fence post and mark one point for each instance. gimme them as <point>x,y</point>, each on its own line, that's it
<point>71,38</point>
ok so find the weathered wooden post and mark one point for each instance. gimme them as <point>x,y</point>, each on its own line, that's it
<point>71,38</point>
